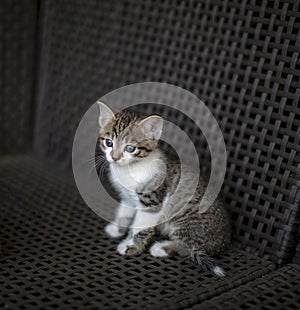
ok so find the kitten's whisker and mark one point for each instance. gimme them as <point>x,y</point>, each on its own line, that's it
<point>96,156</point>
<point>97,163</point>
<point>100,160</point>
<point>102,170</point>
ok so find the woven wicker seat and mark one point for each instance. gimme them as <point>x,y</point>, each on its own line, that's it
<point>58,58</point>
<point>297,256</point>
<point>56,252</point>
<point>278,290</point>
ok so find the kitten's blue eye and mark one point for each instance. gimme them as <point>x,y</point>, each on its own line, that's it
<point>130,148</point>
<point>108,143</point>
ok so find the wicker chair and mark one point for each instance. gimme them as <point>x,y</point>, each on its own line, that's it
<point>58,57</point>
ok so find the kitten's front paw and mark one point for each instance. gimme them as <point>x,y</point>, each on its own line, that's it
<point>127,247</point>
<point>113,231</point>
<point>124,245</point>
<point>157,250</point>
<point>134,250</point>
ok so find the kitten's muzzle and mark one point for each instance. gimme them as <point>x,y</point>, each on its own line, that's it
<point>115,155</point>
<point>115,158</point>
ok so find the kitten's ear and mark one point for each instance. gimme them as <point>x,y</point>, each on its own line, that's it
<point>152,126</point>
<point>106,114</point>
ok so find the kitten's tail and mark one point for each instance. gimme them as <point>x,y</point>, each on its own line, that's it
<point>206,262</point>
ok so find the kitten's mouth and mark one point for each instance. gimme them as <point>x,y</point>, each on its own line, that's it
<point>118,163</point>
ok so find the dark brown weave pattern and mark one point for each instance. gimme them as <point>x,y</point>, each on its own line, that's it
<point>18,21</point>
<point>278,290</point>
<point>297,255</point>
<point>242,57</point>
<point>56,255</point>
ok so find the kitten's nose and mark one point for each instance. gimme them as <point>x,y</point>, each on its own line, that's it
<point>115,155</point>
<point>115,158</point>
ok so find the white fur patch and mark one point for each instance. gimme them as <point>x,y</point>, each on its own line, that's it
<point>113,231</point>
<point>126,210</point>
<point>157,249</point>
<point>123,246</point>
<point>218,271</point>
<point>144,219</point>
<point>135,174</point>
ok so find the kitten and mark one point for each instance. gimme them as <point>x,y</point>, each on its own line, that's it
<point>146,179</point>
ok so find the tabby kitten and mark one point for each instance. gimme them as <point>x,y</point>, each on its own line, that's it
<point>146,179</point>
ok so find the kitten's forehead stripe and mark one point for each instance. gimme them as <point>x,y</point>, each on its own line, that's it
<point>127,133</point>
<point>115,134</point>
<point>123,130</point>
<point>124,119</point>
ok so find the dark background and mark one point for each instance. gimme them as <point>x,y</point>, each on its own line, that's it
<point>241,58</point>
<point>57,57</point>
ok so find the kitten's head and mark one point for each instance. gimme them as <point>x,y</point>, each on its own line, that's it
<point>126,136</point>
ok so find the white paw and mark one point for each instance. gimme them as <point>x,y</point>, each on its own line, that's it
<point>123,246</point>
<point>113,231</point>
<point>157,250</point>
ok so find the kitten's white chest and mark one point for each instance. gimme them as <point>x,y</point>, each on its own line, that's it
<point>132,177</point>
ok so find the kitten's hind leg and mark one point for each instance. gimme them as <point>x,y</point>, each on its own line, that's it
<point>168,247</point>
<point>199,257</point>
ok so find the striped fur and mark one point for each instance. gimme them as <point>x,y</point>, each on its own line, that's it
<point>123,130</point>
<point>146,180</point>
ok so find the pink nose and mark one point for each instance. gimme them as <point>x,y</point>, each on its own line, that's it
<point>115,158</point>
